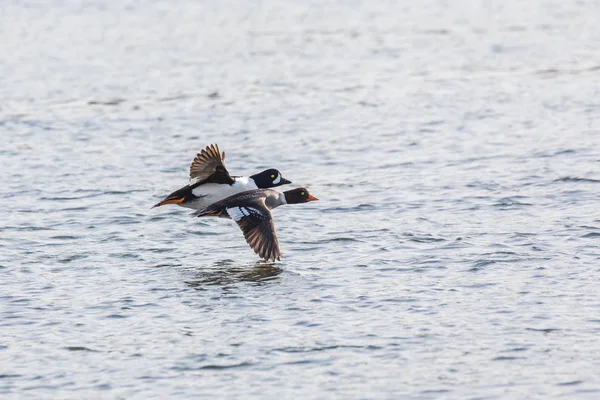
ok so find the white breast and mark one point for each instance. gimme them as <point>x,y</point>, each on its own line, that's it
<point>213,192</point>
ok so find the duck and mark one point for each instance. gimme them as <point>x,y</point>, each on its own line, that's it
<point>210,181</point>
<point>251,211</point>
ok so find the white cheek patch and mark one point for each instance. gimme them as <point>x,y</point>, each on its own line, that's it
<point>278,179</point>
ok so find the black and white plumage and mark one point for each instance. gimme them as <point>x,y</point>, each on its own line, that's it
<point>207,163</point>
<point>251,211</point>
<point>210,181</point>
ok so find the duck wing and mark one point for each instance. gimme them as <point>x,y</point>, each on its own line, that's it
<point>256,222</point>
<point>209,166</point>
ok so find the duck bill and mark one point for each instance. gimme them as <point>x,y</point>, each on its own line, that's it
<point>312,198</point>
<point>284,181</point>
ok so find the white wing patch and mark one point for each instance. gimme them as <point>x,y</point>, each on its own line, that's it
<point>237,213</point>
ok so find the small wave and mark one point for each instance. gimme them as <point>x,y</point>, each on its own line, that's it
<point>479,265</point>
<point>73,257</point>
<point>510,202</point>
<point>116,316</point>
<point>591,235</point>
<point>5,376</point>
<point>343,239</point>
<point>79,348</point>
<point>213,366</point>
<point>423,238</point>
<point>576,179</point>
<point>109,102</point>
<point>570,383</point>
<point>516,349</point>
<point>360,207</point>
<point>321,348</point>
<point>27,228</point>
<point>543,330</point>
<point>64,237</point>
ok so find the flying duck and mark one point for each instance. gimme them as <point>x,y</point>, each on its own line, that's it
<point>251,211</point>
<point>210,181</point>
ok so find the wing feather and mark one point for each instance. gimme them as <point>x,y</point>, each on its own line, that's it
<point>256,223</point>
<point>208,162</point>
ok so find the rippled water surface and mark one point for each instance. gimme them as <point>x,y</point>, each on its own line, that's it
<point>455,251</point>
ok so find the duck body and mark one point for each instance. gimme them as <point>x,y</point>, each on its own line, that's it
<point>202,195</point>
<point>261,198</point>
<point>251,211</point>
<point>210,181</point>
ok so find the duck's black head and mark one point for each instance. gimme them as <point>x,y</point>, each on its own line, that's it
<point>269,178</point>
<point>299,195</point>
<point>179,197</point>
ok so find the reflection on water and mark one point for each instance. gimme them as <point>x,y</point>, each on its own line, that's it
<point>227,272</point>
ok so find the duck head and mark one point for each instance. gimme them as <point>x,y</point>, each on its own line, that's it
<point>299,195</point>
<point>269,178</point>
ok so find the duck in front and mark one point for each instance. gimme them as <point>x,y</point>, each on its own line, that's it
<point>251,211</point>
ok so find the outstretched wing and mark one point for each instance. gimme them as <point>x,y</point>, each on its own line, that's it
<point>256,223</point>
<point>207,163</point>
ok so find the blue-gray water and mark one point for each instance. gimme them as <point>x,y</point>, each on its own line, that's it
<point>455,251</point>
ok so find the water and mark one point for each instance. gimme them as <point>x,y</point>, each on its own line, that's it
<point>454,252</point>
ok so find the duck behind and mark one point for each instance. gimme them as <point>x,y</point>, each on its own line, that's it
<point>210,181</point>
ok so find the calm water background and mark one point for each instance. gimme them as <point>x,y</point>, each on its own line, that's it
<point>455,252</point>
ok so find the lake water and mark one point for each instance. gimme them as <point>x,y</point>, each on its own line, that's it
<point>454,252</point>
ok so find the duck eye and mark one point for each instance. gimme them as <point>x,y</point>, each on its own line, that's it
<point>302,194</point>
<point>272,176</point>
